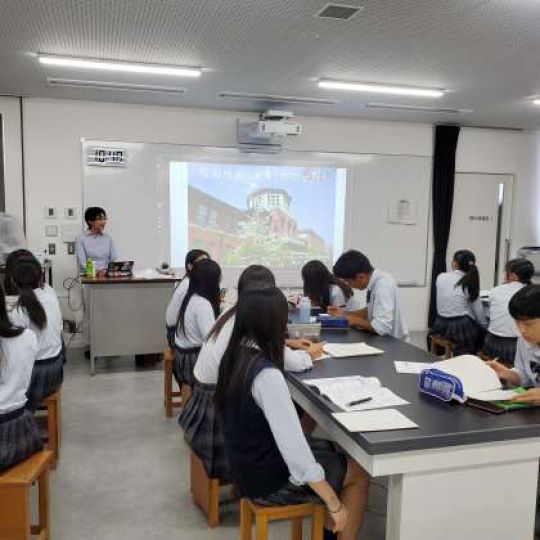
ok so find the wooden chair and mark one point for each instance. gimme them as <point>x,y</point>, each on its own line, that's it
<point>169,402</point>
<point>52,408</point>
<point>447,346</point>
<point>265,514</point>
<point>204,490</point>
<point>15,484</point>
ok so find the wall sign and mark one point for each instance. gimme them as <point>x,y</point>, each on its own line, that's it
<point>106,157</point>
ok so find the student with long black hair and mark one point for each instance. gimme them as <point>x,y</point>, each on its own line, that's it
<point>501,337</point>
<point>323,288</point>
<point>19,437</point>
<point>171,315</point>
<point>459,308</point>
<point>270,460</point>
<point>34,305</point>
<point>202,428</point>
<point>196,317</point>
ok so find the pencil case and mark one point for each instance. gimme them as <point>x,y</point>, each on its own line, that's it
<point>441,385</point>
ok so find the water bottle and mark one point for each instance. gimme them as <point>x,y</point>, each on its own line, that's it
<point>304,308</point>
<point>90,269</point>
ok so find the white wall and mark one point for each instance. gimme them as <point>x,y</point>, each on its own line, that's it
<point>53,130</point>
<point>11,120</point>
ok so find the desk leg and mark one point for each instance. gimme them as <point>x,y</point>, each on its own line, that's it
<point>494,502</point>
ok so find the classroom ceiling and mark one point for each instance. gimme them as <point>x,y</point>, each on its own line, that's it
<point>486,53</point>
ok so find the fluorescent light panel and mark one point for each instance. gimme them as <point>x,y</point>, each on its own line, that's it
<point>104,85</point>
<point>381,88</point>
<point>416,108</point>
<point>272,98</point>
<point>126,67</point>
<point>536,101</point>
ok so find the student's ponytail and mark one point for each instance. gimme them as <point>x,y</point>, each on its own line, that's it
<point>522,268</point>
<point>25,274</point>
<point>470,282</point>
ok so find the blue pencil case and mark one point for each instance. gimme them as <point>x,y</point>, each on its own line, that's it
<point>441,385</point>
<point>333,323</point>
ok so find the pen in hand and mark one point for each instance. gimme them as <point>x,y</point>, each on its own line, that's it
<point>359,401</point>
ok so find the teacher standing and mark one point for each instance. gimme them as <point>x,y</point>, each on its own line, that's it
<point>94,243</point>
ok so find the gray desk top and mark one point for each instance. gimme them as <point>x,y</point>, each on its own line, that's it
<point>441,424</point>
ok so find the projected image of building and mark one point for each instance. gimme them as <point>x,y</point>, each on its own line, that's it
<point>264,232</point>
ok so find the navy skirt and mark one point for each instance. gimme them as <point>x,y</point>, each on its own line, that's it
<point>332,461</point>
<point>184,364</point>
<point>500,347</point>
<point>19,437</point>
<point>47,377</point>
<point>203,431</point>
<point>465,333</point>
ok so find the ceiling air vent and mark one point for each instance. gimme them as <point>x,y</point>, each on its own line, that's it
<point>339,11</point>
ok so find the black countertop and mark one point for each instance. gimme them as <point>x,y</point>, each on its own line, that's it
<point>441,424</point>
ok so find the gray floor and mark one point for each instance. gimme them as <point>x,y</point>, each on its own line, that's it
<point>123,466</point>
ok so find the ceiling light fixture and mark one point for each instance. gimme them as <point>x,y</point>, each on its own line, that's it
<point>536,101</point>
<point>104,85</point>
<point>126,67</point>
<point>414,108</point>
<point>272,98</point>
<point>381,88</point>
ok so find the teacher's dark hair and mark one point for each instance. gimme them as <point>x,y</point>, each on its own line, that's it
<point>470,282</point>
<point>24,274</point>
<point>204,281</point>
<point>261,319</point>
<point>318,281</point>
<point>93,213</point>
<point>525,304</point>
<point>252,278</point>
<point>522,268</point>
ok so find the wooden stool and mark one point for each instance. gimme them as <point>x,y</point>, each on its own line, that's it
<point>169,403</point>
<point>265,514</point>
<point>447,346</point>
<point>15,486</point>
<point>52,407</point>
<point>204,490</point>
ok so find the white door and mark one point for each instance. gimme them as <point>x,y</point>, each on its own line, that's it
<point>481,222</point>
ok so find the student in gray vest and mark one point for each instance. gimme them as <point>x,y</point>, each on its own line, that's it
<point>271,461</point>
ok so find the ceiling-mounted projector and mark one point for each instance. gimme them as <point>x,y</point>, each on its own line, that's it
<point>273,127</point>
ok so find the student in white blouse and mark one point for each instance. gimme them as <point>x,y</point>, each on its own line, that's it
<point>324,289</point>
<point>19,437</point>
<point>33,304</point>
<point>171,315</point>
<point>460,315</point>
<point>502,335</point>
<point>383,314</point>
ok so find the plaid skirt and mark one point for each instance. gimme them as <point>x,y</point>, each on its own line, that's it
<point>502,347</point>
<point>203,431</point>
<point>19,437</point>
<point>184,363</point>
<point>465,333</point>
<point>47,377</point>
<point>332,461</point>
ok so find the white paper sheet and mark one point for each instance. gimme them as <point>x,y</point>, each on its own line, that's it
<point>380,420</point>
<point>344,390</point>
<point>342,350</point>
<point>410,367</point>
<point>494,395</point>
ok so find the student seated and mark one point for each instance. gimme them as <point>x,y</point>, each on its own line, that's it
<point>270,460</point>
<point>524,307</point>
<point>501,337</point>
<point>34,305</point>
<point>323,288</point>
<point>19,437</point>
<point>459,308</point>
<point>202,427</point>
<point>198,312</point>
<point>171,315</point>
<point>383,314</point>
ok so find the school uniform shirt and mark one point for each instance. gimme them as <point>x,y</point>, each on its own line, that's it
<point>453,301</point>
<point>50,337</point>
<point>337,299</point>
<point>17,356</point>
<point>501,322</point>
<point>98,247</point>
<point>207,366</point>
<point>383,306</point>
<point>527,363</point>
<point>199,319</point>
<point>175,303</point>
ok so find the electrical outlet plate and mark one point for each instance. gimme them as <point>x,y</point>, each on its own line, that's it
<point>51,212</point>
<point>70,212</point>
<point>71,248</point>
<point>51,249</point>
<point>51,230</point>
<point>70,232</point>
